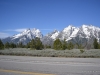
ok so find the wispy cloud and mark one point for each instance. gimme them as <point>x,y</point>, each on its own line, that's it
<point>20,30</point>
<point>16,30</point>
<point>3,35</point>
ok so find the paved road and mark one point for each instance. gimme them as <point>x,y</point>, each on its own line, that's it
<point>25,65</point>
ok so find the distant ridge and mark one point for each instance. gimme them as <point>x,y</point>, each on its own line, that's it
<point>88,32</point>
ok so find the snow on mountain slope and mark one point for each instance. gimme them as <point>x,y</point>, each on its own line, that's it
<point>85,31</point>
<point>26,32</point>
<point>29,34</point>
<point>50,37</point>
<point>68,32</point>
<point>53,35</point>
<point>91,31</point>
<point>24,36</point>
<point>36,33</point>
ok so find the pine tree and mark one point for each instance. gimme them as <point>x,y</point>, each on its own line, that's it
<point>64,45</point>
<point>48,46</point>
<point>70,46</point>
<point>1,45</point>
<point>57,45</point>
<point>38,44</point>
<point>99,46</point>
<point>7,45</point>
<point>28,45</point>
<point>32,44</point>
<point>20,45</point>
<point>95,44</point>
<point>12,45</point>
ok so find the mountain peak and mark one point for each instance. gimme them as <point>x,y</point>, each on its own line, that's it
<point>26,30</point>
<point>53,35</point>
<point>68,33</point>
<point>70,25</point>
<point>27,34</point>
<point>55,30</point>
<point>84,26</point>
<point>68,28</point>
<point>35,30</point>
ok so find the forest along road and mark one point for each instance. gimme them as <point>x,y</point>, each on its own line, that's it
<point>25,65</point>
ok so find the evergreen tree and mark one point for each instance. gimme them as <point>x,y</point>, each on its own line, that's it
<point>32,44</point>
<point>70,46</point>
<point>99,46</point>
<point>7,45</point>
<point>12,45</point>
<point>20,45</point>
<point>28,45</point>
<point>57,45</point>
<point>38,44</point>
<point>95,44</point>
<point>64,45</point>
<point>80,46</point>
<point>48,46</point>
<point>1,45</point>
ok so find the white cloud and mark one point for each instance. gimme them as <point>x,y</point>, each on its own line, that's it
<point>22,29</point>
<point>3,35</point>
<point>16,30</point>
<point>19,30</point>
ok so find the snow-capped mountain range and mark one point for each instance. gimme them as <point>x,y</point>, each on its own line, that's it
<point>68,33</point>
<point>85,31</point>
<point>24,36</point>
<point>31,34</point>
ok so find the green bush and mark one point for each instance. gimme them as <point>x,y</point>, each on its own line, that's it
<point>81,50</point>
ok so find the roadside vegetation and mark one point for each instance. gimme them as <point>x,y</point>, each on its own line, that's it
<point>92,53</point>
<point>58,49</point>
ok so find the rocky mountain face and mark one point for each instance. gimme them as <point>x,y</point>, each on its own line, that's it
<point>83,35</point>
<point>68,33</point>
<point>50,37</point>
<point>88,32</point>
<point>85,31</point>
<point>25,36</point>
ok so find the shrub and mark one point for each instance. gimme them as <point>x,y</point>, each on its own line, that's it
<point>81,50</point>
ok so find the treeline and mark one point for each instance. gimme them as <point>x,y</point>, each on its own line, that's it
<point>37,44</point>
<point>62,45</point>
<point>57,45</point>
<point>96,44</point>
<point>33,44</point>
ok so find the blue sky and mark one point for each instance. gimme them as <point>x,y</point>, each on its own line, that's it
<point>46,15</point>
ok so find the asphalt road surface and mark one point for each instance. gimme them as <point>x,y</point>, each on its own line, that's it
<point>25,65</point>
